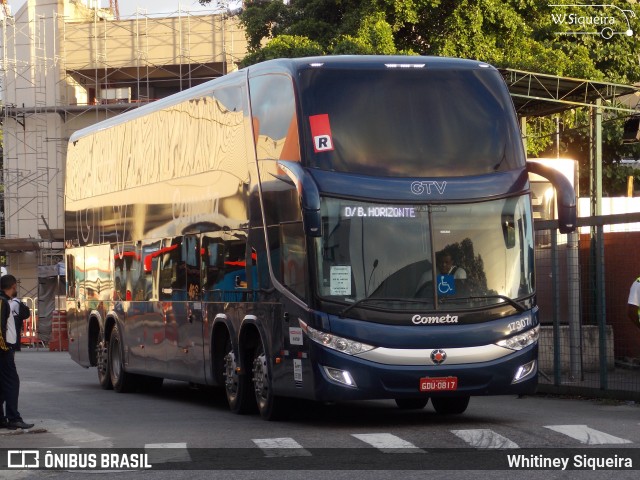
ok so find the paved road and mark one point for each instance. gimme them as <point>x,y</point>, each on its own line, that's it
<point>354,440</point>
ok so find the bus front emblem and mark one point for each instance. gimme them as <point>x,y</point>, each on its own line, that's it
<point>438,356</point>
<point>419,188</point>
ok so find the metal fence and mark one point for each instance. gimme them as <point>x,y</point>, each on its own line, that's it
<point>588,345</point>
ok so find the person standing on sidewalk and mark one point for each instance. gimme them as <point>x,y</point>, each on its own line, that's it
<point>4,313</point>
<point>633,305</point>
<point>9,379</point>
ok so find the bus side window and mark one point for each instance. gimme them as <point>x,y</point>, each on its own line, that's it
<point>235,263</point>
<point>261,278</point>
<point>212,261</point>
<point>294,267</point>
<point>172,281</point>
<point>275,122</point>
<point>147,285</point>
<point>191,249</point>
<point>132,265</point>
<point>126,273</point>
<point>119,277</point>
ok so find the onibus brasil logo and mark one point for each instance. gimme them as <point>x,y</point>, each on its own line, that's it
<point>606,20</point>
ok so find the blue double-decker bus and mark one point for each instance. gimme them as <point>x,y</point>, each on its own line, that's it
<point>331,228</point>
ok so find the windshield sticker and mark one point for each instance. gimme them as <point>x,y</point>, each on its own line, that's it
<point>376,212</point>
<point>446,285</point>
<point>340,280</point>
<point>321,133</point>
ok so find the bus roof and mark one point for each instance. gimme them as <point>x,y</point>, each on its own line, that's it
<point>369,61</point>
<point>291,66</point>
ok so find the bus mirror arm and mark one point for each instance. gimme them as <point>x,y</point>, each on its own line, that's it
<point>308,195</point>
<point>565,195</point>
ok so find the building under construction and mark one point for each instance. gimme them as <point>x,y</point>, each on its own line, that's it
<point>67,64</point>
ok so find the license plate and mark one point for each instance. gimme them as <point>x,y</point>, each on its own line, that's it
<point>438,384</point>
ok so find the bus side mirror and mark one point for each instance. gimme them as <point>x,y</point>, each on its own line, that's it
<point>309,197</point>
<point>565,195</point>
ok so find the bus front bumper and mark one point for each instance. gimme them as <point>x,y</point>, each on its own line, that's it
<point>340,377</point>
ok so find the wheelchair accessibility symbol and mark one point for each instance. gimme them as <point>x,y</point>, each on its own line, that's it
<point>446,285</point>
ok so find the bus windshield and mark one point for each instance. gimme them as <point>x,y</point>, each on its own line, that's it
<point>476,253</point>
<point>418,122</point>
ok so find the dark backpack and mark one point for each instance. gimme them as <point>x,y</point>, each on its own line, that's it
<point>23,311</point>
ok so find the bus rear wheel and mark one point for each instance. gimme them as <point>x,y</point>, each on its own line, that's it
<point>450,405</point>
<point>102,360</point>
<point>122,381</point>
<point>270,406</point>
<point>412,403</point>
<point>237,387</point>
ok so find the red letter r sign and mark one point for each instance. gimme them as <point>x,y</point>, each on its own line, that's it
<point>321,133</point>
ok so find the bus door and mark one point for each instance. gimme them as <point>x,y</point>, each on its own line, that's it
<point>291,271</point>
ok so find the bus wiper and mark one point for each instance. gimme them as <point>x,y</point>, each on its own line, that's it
<point>379,299</point>
<point>517,305</point>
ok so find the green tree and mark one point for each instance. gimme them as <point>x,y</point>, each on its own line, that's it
<point>521,34</point>
<point>512,33</point>
<point>285,46</point>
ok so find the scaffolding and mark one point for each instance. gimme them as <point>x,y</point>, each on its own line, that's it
<point>66,65</point>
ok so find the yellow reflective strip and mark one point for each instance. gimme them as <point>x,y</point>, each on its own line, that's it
<point>3,345</point>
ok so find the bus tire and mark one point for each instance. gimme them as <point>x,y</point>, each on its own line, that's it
<point>270,406</point>
<point>237,387</point>
<point>450,405</point>
<point>417,403</point>
<point>122,381</point>
<point>104,371</point>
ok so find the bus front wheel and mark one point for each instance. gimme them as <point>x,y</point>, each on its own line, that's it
<point>450,405</point>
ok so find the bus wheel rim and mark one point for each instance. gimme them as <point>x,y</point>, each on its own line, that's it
<point>230,375</point>
<point>102,360</point>
<point>261,377</point>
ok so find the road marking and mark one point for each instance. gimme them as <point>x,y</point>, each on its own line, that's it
<point>388,443</point>
<point>484,438</point>
<point>167,452</point>
<point>281,447</point>
<point>587,435</point>
<point>75,435</point>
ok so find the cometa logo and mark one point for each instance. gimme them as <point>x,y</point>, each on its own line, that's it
<point>430,320</point>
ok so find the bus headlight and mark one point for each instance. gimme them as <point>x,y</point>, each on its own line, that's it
<point>340,376</point>
<point>340,344</point>
<point>518,342</point>
<point>524,371</point>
